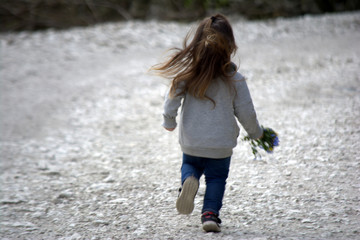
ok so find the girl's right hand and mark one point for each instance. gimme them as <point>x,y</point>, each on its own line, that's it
<point>169,129</point>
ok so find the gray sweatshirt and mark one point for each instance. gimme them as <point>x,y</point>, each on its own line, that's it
<point>211,131</point>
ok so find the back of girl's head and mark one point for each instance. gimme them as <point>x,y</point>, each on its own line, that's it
<point>205,58</point>
<point>214,35</point>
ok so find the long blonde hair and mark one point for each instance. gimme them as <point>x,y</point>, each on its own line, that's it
<point>205,58</point>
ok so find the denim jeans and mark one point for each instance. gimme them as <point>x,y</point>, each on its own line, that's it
<point>216,172</point>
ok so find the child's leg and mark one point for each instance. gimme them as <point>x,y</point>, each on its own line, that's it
<point>216,173</point>
<point>191,166</point>
<point>191,171</point>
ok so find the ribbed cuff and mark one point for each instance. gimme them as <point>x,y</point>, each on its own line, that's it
<point>257,134</point>
<point>169,122</point>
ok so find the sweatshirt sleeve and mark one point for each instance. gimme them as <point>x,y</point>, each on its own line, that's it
<point>244,109</point>
<point>171,107</point>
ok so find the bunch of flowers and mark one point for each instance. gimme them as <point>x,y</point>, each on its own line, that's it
<point>268,142</point>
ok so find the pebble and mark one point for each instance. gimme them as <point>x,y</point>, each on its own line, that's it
<point>12,201</point>
<point>27,225</point>
<point>307,221</point>
<point>66,195</point>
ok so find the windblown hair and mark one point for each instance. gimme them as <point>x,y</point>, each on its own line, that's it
<point>205,58</point>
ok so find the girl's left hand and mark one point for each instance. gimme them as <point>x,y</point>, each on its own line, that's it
<point>169,129</point>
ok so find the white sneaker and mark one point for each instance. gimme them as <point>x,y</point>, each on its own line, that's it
<point>185,201</point>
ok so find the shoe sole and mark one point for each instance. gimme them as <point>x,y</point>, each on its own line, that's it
<point>185,202</point>
<point>210,226</point>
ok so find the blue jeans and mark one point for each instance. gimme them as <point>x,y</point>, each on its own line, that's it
<point>216,172</point>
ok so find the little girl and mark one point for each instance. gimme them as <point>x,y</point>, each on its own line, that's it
<point>212,93</point>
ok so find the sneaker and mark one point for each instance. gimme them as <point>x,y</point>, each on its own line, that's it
<point>210,222</point>
<point>185,201</point>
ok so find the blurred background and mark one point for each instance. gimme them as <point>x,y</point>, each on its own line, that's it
<point>18,15</point>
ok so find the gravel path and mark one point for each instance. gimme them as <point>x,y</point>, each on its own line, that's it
<point>83,155</point>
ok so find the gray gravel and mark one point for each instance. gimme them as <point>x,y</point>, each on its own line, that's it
<point>83,155</point>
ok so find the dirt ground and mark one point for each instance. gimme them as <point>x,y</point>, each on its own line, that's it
<point>84,156</point>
